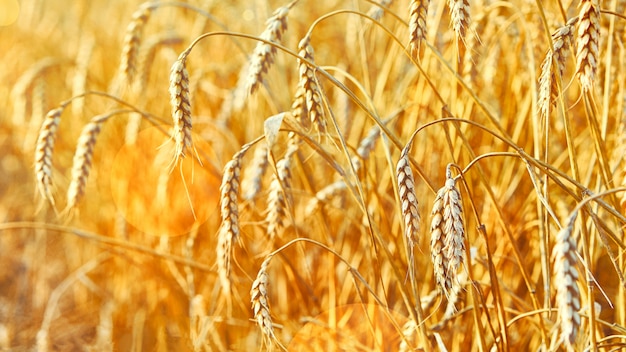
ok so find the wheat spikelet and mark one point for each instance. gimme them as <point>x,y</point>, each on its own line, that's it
<point>259,300</point>
<point>460,16</point>
<point>81,165</point>
<point>408,198</point>
<point>229,228</point>
<point>132,41</point>
<point>565,278</point>
<point>418,10</point>
<point>263,55</point>
<point>308,87</point>
<point>447,241</point>
<point>548,88</point>
<point>43,152</point>
<point>181,107</point>
<point>278,199</point>
<point>587,52</point>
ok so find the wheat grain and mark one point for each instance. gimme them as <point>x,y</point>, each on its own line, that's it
<point>263,55</point>
<point>308,87</point>
<point>43,152</point>
<point>259,300</point>
<point>418,10</point>
<point>81,165</point>
<point>565,278</point>
<point>132,41</point>
<point>408,198</point>
<point>181,107</point>
<point>587,52</point>
<point>447,235</point>
<point>459,16</point>
<point>229,210</point>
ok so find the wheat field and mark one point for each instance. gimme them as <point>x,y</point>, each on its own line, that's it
<point>313,175</point>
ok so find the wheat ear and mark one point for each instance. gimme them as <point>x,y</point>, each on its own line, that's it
<point>132,41</point>
<point>308,89</point>
<point>83,157</point>
<point>459,16</point>
<point>279,192</point>
<point>263,55</point>
<point>447,241</point>
<point>418,10</point>
<point>408,198</point>
<point>229,210</point>
<point>587,52</point>
<point>548,88</point>
<point>565,278</point>
<point>44,150</point>
<point>252,182</point>
<point>259,300</point>
<point>181,106</point>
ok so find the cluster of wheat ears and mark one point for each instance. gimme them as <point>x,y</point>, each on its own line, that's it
<point>238,190</point>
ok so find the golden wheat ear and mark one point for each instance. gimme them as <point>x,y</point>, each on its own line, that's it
<point>260,302</point>
<point>132,41</point>
<point>587,50</point>
<point>447,239</point>
<point>43,153</point>
<point>408,198</point>
<point>418,10</point>
<point>565,280</point>
<point>181,106</point>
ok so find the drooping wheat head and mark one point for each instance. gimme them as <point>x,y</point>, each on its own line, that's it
<point>565,280</point>
<point>81,165</point>
<point>279,191</point>
<point>43,152</point>
<point>252,182</point>
<point>181,106</point>
<point>418,11</point>
<point>587,49</point>
<point>548,87</point>
<point>408,198</point>
<point>132,41</point>
<point>229,210</point>
<point>447,241</point>
<point>459,16</point>
<point>308,88</point>
<point>263,55</point>
<point>259,300</point>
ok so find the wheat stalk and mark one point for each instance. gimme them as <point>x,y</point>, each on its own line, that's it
<point>229,210</point>
<point>408,198</point>
<point>43,152</point>
<point>263,55</point>
<point>418,10</point>
<point>132,41</point>
<point>587,52</point>
<point>447,241</point>
<point>259,300</point>
<point>181,107</point>
<point>308,89</point>
<point>565,278</point>
<point>460,16</point>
